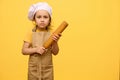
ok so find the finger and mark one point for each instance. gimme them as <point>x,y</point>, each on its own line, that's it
<point>40,53</point>
<point>46,50</point>
<point>54,37</point>
<point>60,34</point>
<point>42,48</point>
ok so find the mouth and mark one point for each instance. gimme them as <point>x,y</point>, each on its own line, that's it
<point>42,24</point>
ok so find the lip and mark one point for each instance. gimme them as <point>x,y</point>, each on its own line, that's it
<point>42,24</point>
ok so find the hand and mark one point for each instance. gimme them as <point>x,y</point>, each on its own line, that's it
<point>40,50</point>
<point>56,37</point>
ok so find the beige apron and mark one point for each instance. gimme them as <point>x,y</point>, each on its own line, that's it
<point>40,66</point>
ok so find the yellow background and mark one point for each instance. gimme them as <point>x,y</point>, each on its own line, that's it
<point>89,47</point>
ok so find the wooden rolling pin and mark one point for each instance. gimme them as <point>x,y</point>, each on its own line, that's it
<point>60,29</point>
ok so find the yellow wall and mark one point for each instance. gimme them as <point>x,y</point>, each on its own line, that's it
<point>89,47</point>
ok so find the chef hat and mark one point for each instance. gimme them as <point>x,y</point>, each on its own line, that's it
<point>38,6</point>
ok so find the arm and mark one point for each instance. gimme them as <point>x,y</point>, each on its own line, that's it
<point>55,47</point>
<point>27,50</point>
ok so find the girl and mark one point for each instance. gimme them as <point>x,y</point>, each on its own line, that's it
<point>40,66</point>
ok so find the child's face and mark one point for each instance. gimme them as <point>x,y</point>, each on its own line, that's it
<point>42,19</point>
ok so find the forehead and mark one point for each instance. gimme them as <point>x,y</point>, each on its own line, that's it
<point>42,12</point>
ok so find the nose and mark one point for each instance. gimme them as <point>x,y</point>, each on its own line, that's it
<point>42,19</point>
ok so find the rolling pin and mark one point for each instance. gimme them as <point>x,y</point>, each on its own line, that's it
<point>60,29</point>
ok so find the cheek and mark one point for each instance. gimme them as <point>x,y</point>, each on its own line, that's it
<point>37,21</point>
<point>47,21</point>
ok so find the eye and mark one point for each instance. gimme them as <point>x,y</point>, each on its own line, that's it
<point>45,16</point>
<point>38,16</point>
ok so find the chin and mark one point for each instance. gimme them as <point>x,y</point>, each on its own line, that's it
<point>42,27</point>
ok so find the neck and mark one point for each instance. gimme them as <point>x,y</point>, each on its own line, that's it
<point>41,29</point>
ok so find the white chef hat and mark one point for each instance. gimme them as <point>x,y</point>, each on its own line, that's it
<point>38,6</point>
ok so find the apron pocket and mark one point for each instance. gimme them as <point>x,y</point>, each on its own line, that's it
<point>47,72</point>
<point>33,70</point>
